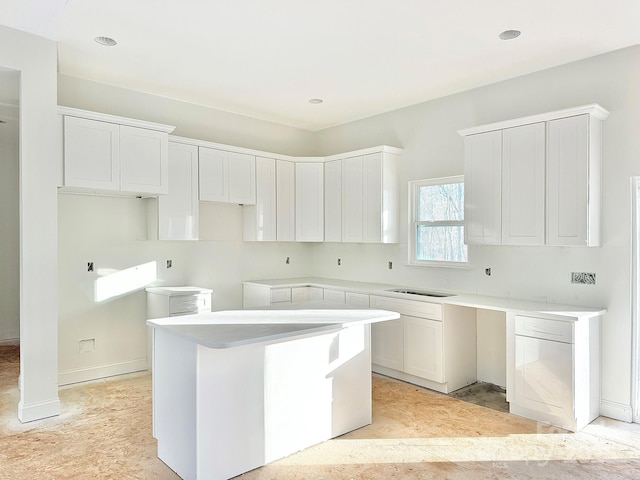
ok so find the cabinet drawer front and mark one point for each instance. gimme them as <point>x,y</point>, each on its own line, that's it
<point>357,299</point>
<point>544,328</point>
<point>280,295</point>
<point>408,307</point>
<point>189,304</point>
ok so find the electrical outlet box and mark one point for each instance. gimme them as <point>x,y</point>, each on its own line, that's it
<point>583,278</point>
<point>89,266</point>
<point>169,263</point>
<point>87,346</point>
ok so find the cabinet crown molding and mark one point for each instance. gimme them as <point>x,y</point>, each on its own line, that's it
<point>592,109</point>
<point>104,117</point>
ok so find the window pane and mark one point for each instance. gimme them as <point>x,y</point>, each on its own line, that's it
<point>445,244</point>
<point>441,202</point>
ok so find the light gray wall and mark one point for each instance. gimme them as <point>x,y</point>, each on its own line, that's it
<point>432,148</point>
<point>9,219</point>
<point>111,233</point>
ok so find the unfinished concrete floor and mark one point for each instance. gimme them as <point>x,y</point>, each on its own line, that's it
<point>104,431</point>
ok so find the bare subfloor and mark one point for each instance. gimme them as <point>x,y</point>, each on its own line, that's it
<point>104,431</point>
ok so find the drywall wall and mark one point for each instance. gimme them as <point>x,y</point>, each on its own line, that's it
<point>9,217</point>
<point>36,60</point>
<point>105,336</point>
<point>432,148</point>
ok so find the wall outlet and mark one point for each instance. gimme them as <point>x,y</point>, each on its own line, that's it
<point>339,262</point>
<point>287,261</point>
<point>89,266</point>
<point>487,271</point>
<point>169,263</point>
<point>583,278</point>
<point>390,265</point>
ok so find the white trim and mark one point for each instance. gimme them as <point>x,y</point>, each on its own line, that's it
<point>635,297</point>
<point>615,410</point>
<point>93,373</point>
<point>38,411</point>
<point>279,156</point>
<point>593,109</point>
<point>104,117</point>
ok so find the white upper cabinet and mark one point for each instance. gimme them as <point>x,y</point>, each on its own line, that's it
<point>285,201</point>
<point>174,216</point>
<point>523,162</point>
<point>260,219</point>
<point>370,198</point>
<point>144,164</point>
<point>309,202</point>
<point>333,201</point>
<point>227,177</point>
<point>109,154</point>
<point>535,180</point>
<point>482,192</point>
<point>573,181</point>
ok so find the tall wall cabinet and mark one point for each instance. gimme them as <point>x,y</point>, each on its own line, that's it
<point>535,180</point>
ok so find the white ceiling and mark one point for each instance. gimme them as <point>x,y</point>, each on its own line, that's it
<point>267,58</point>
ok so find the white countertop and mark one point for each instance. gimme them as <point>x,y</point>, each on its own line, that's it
<point>233,328</point>
<point>178,291</point>
<point>511,305</point>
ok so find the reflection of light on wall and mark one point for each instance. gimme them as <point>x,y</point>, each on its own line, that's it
<point>125,281</point>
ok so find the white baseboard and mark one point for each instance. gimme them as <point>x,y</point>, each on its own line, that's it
<point>615,410</point>
<point>93,373</point>
<point>38,411</point>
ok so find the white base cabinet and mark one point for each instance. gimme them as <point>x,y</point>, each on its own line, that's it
<point>555,377</point>
<point>431,345</point>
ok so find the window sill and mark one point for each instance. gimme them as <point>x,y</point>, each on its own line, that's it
<point>455,265</point>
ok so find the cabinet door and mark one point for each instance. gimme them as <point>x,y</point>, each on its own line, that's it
<point>352,208</point>
<point>285,201</point>
<point>144,160</point>
<point>91,154</point>
<point>315,294</point>
<point>543,376</point>
<point>387,344</point>
<point>260,219</point>
<point>213,175</point>
<point>309,202</point>
<point>372,198</point>
<point>423,351</point>
<point>523,205</point>
<point>333,201</point>
<point>482,185</point>
<point>568,181</point>
<point>242,178</point>
<point>360,300</point>
<point>178,209</point>
<point>299,294</point>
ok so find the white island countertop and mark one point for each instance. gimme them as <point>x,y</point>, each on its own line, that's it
<point>234,328</point>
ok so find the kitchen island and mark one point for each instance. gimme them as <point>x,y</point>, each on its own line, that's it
<point>235,390</point>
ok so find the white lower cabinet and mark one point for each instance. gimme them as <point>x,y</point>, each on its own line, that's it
<point>431,345</point>
<point>422,339</point>
<point>306,294</point>
<point>336,296</point>
<point>556,373</point>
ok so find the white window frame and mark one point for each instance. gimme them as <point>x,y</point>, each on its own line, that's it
<point>414,187</point>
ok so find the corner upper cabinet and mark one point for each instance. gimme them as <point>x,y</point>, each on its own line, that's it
<point>309,202</point>
<point>227,177</point>
<point>109,154</point>
<point>175,216</point>
<point>535,180</point>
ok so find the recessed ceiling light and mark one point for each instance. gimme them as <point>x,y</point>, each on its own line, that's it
<point>316,100</point>
<point>106,41</point>
<point>509,34</point>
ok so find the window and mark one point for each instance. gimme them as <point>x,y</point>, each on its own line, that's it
<point>437,222</point>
